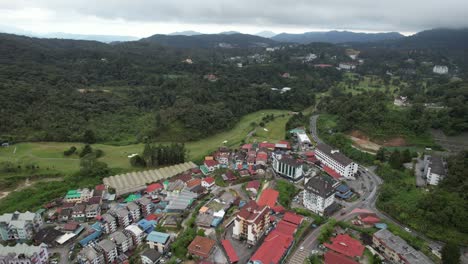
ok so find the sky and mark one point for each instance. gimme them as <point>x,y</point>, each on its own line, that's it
<point>142,18</point>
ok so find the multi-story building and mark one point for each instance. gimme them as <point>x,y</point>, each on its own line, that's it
<point>123,242</point>
<point>89,255</point>
<point>440,69</point>
<point>136,233</point>
<point>108,250</point>
<point>159,241</point>
<point>395,249</point>
<point>108,223</point>
<point>434,169</point>
<point>150,256</point>
<point>134,211</point>
<point>78,196</point>
<point>288,167</point>
<point>251,222</point>
<point>79,212</point>
<point>19,226</point>
<point>319,194</point>
<point>335,160</point>
<point>123,216</point>
<point>146,206</point>
<point>92,211</point>
<point>24,254</point>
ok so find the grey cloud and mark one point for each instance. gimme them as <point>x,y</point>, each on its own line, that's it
<point>379,15</point>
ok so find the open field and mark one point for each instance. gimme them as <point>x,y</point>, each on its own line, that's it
<point>275,130</point>
<point>369,83</point>
<point>50,159</point>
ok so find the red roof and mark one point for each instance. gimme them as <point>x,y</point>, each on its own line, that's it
<point>232,255</point>
<point>100,187</point>
<point>194,182</point>
<point>323,65</point>
<point>331,172</point>
<point>262,156</point>
<point>268,197</point>
<point>278,209</point>
<point>154,217</point>
<point>346,245</point>
<point>370,220</point>
<point>273,248</point>
<point>153,187</point>
<point>253,185</point>
<point>247,146</point>
<point>335,258</point>
<point>293,218</point>
<point>211,163</point>
<point>267,145</point>
<point>286,228</point>
<point>310,154</point>
<point>230,175</point>
<point>72,226</point>
<point>209,180</point>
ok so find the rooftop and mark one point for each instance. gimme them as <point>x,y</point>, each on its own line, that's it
<point>231,252</point>
<point>293,218</point>
<point>346,245</point>
<point>332,257</point>
<point>268,197</point>
<point>319,185</point>
<point>336,155</point>
<point>158,237</point>
<point>273,248</point>
<point>151,254</point>
<point>107,245</point>
<point>201,246</point>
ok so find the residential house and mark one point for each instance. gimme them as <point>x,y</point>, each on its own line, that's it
<point>251,157</point>
<point>434,169</point>
<point>146,206</point>
<point>123,242</point>
<point>251,222</point>
<point>154,188</point>
<point>123,216</point>
<point>19,226</point>
<point>108,249</point>
<point>78,196</point>
<point>346,245</point>
<point>261,158</point>
<point>134,211</point>
<point>208,182</point>
<point>253,186</point>
<point>79,212</point>
<point>319,194</point>
<point>201,247</point>
<point>150,256</point>
<point>396,250</point>
<point>92,211</point>
<point>222,156</point>
<point>136,233</point>
<point>65,214</point>
<point>347,66</point>
<point>335,160</point>
<point>108,223</point>
<point>24,254</point>
<point>288,167</point>
<point>211,165</point>
<point>159,241</point>
<point>89,255</point>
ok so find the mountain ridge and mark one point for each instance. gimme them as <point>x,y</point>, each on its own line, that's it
<point>335,37</point>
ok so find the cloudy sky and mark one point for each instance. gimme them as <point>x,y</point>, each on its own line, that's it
<point>142,18</point>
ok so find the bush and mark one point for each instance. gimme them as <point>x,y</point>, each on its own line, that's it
<point>69,151</point>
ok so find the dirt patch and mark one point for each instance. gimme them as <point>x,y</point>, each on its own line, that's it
<point>358,134</point>
<point>365,145</point>
<point>394,142</point>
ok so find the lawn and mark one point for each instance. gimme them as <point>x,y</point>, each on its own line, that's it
<point>275,130</point>
<point>50,159</point>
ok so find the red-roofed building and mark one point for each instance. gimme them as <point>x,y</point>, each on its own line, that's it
<point>293,218</point>
<point>185,177</point>
<point>283,144</point>
<point>270,146</point>
<point>273,248</point>
<point>262,158</point>
<point>331,257</point>
<point>154,188</point>
<point>100,187</point>
<point>193,183</point>
<point>268,197</point>
<point>251,156</point>
<point>231,253</point>
<point>278,209</point>
<point>323,65</point>
<point>229,176</point>
<point>346,245</point>
<point>153,217</point>
<point>208,182</point>
<point>370,220</point>
<point>331,172</point>
<point>211,164</point>
<point>247,147</point>
<point>244,173</point>
<point>252,186</point>
<point>251,222</point>
<point>286,228</point>
<point>201,246</point>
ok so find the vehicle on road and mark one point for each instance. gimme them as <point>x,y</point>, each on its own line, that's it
<point>407,230</point>
<point>301,248</point>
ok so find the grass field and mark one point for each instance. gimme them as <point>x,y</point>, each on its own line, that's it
<point>50,159</point>
<point>275,130</point>
<point>369,83</point>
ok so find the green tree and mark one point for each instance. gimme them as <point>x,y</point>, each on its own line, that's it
<point>86,150</point>
<point>89,137</point>
<point>137,161</point>
<point>380,154</point>
<point>395,160</point>
<point>406,156</point>
<point>450,253</point>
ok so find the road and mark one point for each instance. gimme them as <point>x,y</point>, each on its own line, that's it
<point>367,201</point>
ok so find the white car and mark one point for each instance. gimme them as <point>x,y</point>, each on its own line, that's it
<point>407,230</point>
<point>301,248</point>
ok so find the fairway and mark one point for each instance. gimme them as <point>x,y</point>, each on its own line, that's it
<point>50,159</point>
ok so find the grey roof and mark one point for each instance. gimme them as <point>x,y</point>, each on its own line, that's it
<point>118,237</point>
<point>92,207</point>
<point>26,216</point>
<point>132,206</point>
<point>108,218</point>
<point>402,248</point>
<point>338,156</point>
<point>320,185</point>
<point>122,212</point>
<point>437,165</point>
<point>107,245</point>
<point>89,253</point>
<point>144,201</point>
<point>20,249</point>
<point>151,254</point>
<point>290,161</point>
<point>181,200</point>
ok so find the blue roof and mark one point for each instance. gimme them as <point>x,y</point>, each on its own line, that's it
<point>157,237</point>
<point>89,238</point>
<point>97,226</point>
<point>79,230</point>
<point>342,188</point>
<point>381,225</point>
<point>216,221</point>
<point>146,225</point>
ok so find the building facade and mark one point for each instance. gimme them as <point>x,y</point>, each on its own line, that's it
<point>434,169</point>
<point>335,160</point>
<point>319,194</point>
<point>440,69</point>
<point>24,254</point>
<point>251,222</point>
<point>19,226</point>
<point>288,167</point>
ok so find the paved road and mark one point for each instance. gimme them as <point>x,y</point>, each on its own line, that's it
<point>313,129</point>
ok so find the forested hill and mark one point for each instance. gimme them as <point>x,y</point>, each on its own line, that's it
<point>433,39</point>
<point>236,40</point>
<point>335,37</point>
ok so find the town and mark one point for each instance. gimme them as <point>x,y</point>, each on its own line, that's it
<point>264,202</point>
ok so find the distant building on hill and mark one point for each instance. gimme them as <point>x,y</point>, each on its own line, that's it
<point>440,69</point>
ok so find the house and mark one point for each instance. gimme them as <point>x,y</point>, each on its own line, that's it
<point>262,158</point>
<point>401,101</point>
<point>434,169</point>
<point>154,188</point>
<point>222,156</point>
<point>108,223</point>
<point>150,256</point>
<point>123,242</point>
<point>19,226</point>
<point>79,212</point>
<point>346,245</point>
<point>343,192</point>
<point>159,241</point>
<point>89,255</point>
<point>440,69</point>
<point>209,166</point>
<point>92,211</point>
<point>201,247</point>
<point>229,176</point>
<point>136,233</point>
<point>134,211</point>
<point>347,66</point>
<point>194,183</point>
<point>108,250</point>
<point>396,250</point>
<point>123,216</point>
<point>253,186</point>
<point>293,218</point>
<point>244,173</point>
<point>23,253</point>
<point>288,167</point>
<point>146,206</point>
<point>78,196</point>
<point>319,194</point>
<point>251,222</point>
<point>335,160</point>
<point>208,182</point>
<point>268,197</point>
<point>64,214</point>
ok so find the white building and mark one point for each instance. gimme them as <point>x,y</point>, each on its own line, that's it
<point>108,223</point>
<point>251,222</point>
<point>89,255</point>
<point>136,233</point>
<point>288,167</point>
<point>19,226</point>
<point>134,211</point>
<point>108,249</point>
<point>319,194</point>
<point>401,101</point>
<point>434,169</point>
<point>335,160</point>
<point>440,69</point>
<point>302,138</point>
<point>347,66</point>
<point>123,242</point>
<point>24,254</point>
